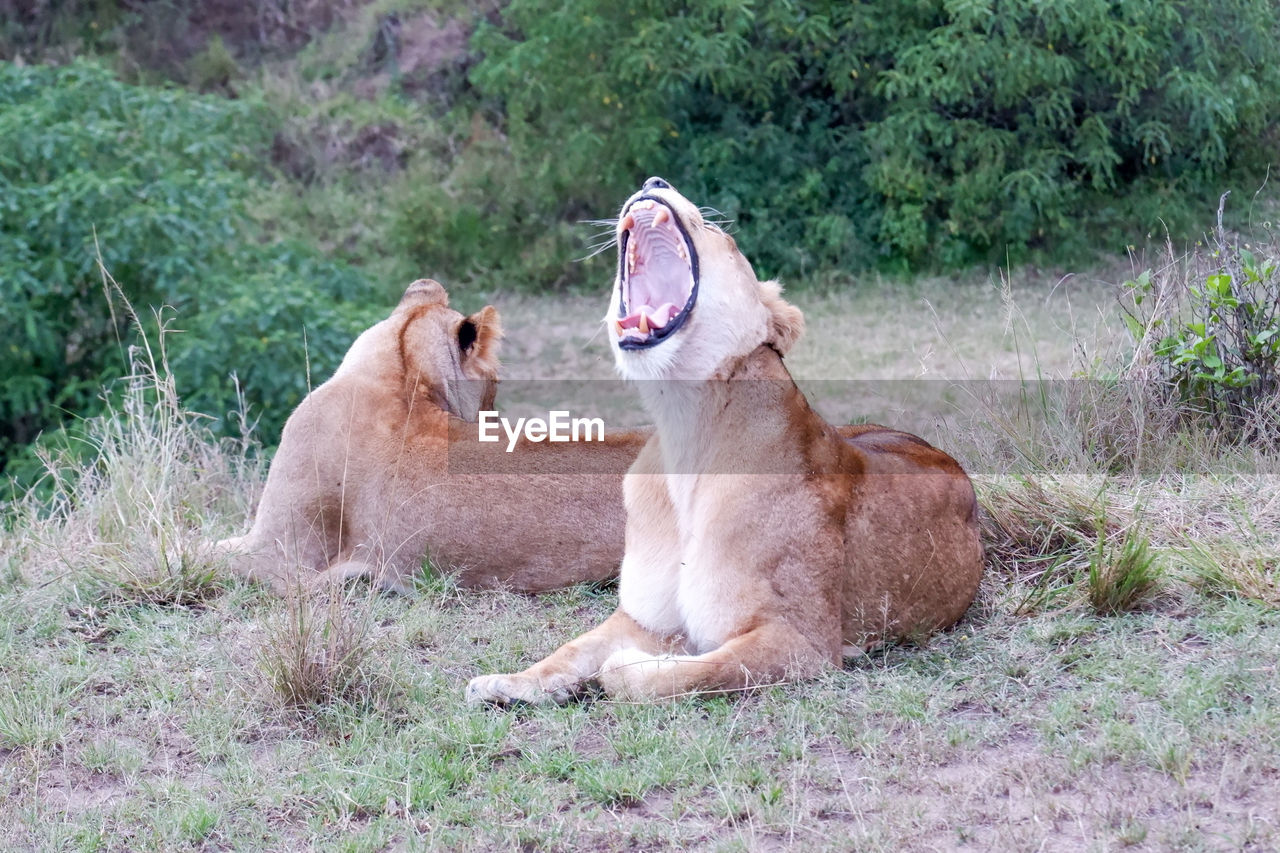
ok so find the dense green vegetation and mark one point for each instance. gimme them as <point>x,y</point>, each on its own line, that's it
<point>154,183</point>
<point>837,134</point>
<point>350,147</point>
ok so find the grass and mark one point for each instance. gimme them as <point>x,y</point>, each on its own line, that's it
<point>1122,577</point>
<point>1114,685</point>
<point>319,649</point>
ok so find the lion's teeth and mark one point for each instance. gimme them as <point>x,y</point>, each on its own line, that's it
<point>628,222</point>
<point>617,327</point>
<point>660,217</point>
<point>644,323</point>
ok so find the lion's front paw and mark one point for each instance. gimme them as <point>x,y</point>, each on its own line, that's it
<point>511,689</point>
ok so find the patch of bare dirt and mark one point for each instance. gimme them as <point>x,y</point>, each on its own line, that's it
<point>163,37</point>
<point>427,56</point>
<point>1012,795</point>
<point>308,154</point>
<point>250,30</point>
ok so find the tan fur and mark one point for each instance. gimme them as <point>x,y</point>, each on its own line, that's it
<point>361,484</point>
<point>762,543</point>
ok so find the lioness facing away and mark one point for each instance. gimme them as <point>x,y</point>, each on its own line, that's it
<point>761,542</point>
<point>362,482</point>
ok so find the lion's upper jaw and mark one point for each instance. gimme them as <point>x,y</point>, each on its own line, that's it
<point>707,296</point>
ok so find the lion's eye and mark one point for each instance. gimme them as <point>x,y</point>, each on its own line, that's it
<point>466,335</point>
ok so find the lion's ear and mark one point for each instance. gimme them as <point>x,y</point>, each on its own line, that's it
<point>478,337</point>
<point>786,321</point>
<point>425,291</point>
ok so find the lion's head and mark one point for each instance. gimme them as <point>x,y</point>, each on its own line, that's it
<point>685,299</point>
<point>435,352</point>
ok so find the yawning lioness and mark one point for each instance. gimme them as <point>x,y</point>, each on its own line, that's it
<point>761,543</point>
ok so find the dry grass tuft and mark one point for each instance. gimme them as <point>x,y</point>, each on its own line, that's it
<point>135,572</point>
<point>1227,569</point>
<point>320,649</point>
<point>1030,523</point>
<point>122,505</point>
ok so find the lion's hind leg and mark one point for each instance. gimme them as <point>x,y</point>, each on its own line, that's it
<point>769,654</point>
<point>255,562</point>
<point>383,577</point>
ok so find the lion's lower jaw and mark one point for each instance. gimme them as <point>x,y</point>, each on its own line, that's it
<point>643,365</point>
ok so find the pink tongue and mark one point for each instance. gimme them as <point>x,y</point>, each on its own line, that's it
<point>658,317</point>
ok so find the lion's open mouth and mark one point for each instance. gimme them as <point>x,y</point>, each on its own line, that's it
<point>657,272</point>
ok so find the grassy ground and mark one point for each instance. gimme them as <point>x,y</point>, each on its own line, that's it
<point>972,326</point>
<point>145,702</point>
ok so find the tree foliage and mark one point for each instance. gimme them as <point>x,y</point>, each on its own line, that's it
<point>154,180</point>
<point>839,134</point>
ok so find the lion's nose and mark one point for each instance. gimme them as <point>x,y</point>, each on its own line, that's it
<point>656,183</point>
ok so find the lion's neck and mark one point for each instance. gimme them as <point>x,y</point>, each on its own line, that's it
<point>734,423</point>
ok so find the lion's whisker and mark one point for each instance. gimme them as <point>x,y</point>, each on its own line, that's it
<point>596,249</point>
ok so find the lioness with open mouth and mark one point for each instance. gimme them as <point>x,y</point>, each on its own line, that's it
<point>761,543</point>
<point>380,467</point>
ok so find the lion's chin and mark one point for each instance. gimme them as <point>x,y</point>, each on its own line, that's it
<point>648,362</point>
<point>657,283</point>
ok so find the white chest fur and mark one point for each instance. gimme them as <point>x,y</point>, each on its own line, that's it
<point>673,578</point>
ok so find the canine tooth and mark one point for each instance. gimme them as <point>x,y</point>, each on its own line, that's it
<point>628,222</point>
<point>644,323</point>
<point>617,327</point>
<point>660,217</point>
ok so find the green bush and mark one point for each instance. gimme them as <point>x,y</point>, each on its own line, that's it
<point>1208,327</point>
<point>840,134</point>
<point>153,179</point>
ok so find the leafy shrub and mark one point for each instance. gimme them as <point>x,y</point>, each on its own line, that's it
<point>1209,329</point>
<point>149,183</point>
<point>486,221</point>
<point>836,133</point>
<point>213,68</point>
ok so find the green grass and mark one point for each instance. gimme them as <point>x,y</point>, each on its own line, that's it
<point>1085,702</point>
<point>1011,730</point>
